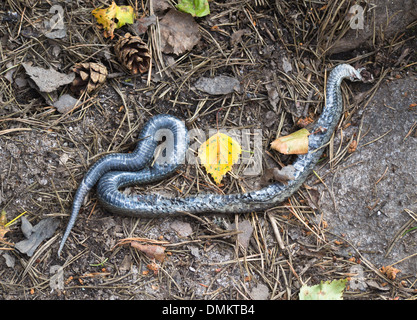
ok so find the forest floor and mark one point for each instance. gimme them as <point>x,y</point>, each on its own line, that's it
<point>280,54</point>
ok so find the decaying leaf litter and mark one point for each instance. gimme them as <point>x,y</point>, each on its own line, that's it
<point>277,51</point>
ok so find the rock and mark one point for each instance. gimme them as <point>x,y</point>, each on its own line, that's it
<point>218,85</point>
<point>376,185</point>
<point>65,103</point>
<point>56,281</point>
<point>182,228</point>
<point>246,228</point>
<point>10,260</point>
<point>260,292</point>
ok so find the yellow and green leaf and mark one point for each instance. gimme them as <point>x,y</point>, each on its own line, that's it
<point>218,154</point>
<point>197,8</point>
<point>114,17</point>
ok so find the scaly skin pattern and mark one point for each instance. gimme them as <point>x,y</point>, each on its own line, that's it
<point>115,171</point>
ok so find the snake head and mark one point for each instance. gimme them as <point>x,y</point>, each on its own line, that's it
<point>355,74</point>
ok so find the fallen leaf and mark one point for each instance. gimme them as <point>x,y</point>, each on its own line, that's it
<point>294,143</point>
<point>114,17</point>
<point>236,37</point>
<point>56,281</point>
<point>35,235</point>
<point>273,95</point>
<point>47,80</point>
<point>197,8</point>
<point>3,225</point>
<point>218,154</point>
<point>286,65</point>
<point>304,122</point>
<point>159,5</point>
<point>152,251</point>
<point>11,69</point>
<point>179,32</point>
<point>10,260</point>
<point>390,272</point>
<point>329,290</point>
<point>142,24</point>
<point>153,267</point>
<point>352,146</point>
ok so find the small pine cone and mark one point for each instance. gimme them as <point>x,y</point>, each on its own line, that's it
<point>133,53</point>
<point>88,77</point>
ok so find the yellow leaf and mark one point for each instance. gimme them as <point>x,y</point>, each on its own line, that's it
<point>294,143</point>
<point>218,154</point>
<point>113,17</point>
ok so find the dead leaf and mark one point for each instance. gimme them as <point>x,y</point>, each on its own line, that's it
<point>304,122</point>
<point>47,80</point>
<point>142,24</point>
<point>153,267</point>
<point>35,235</point>
<point>152,251</point>
<point>273,95</point>
<point>294,143</point>
<point>352,146</point>
<point>236,37</point>
<point>3,225</point>
<point>390,272</point>
<point>179,32</point>
<point>160,5</point>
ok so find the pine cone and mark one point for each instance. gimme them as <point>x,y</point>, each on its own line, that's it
<point>88,77</point>
<point>133,53</point>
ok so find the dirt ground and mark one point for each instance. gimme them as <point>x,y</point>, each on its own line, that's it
<point>280,54</point>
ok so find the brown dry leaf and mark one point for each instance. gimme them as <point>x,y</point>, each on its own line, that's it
<point>3,225</point>
<point>352,146</point>
<point>47,80</point>
<point>390,272</point>
<point>152,251</point>
<point>179,32</point>
<point>153,267</point>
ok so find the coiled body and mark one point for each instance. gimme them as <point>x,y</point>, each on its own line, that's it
<point>118,170</point>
